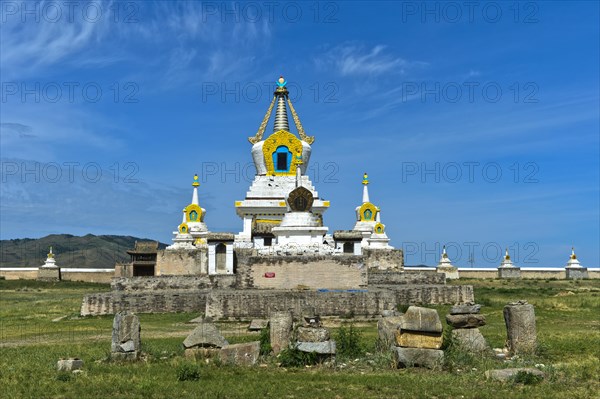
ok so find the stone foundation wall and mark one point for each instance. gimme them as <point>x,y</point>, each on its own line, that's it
<point>89,277</point>
<point>260,303</point>
<point>385,277</point>
<point>172,283</point>
<point>181,262</point>
<point>291,272</point>
<point>144,302</point>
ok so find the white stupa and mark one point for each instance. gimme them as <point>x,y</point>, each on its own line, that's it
<point>368,222</point>
<point>50,261</point>
<point>192,231</point>
<point>573,262</point>
<point>573,269</point>
<point>507,269</point>
<point>506,262</point>
<point>49,271</point>
<point>446,267</point>
<point>265,206</point>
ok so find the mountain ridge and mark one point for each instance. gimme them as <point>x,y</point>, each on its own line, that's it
<point>88,251</point>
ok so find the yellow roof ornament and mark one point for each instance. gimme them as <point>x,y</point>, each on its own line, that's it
<point>365,179</point>
<point>195,183</point>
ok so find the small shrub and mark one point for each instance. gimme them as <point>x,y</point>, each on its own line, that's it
<point>188,372</point>
<point>525,378</point>
<point>348,341</point>
<point>297,358</point>
<point>265,342</point>
<point>447,341</point>
<point>63,376</point>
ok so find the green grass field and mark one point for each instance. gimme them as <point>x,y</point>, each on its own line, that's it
<point>39,324</point>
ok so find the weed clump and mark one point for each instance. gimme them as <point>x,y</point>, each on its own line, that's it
<point>188,372</point>
<point>525,378</point>
<point>64,377</point>
<point>296,358</point>
<point>348,341</point>
<point>265,341</point>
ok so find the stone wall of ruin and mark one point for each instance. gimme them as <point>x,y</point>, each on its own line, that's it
<point>228,303</point>
<point>181,262</point>
<point>165,301</point>
<point>172,283</point>
<point>388,277</point>
<point>255,303</point>
<point>392,259</point>
<point>293,272</point>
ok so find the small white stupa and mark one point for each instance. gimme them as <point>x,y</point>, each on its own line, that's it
<point>573,261</point>
<point>192,232</point>
<point>50,261</point>
<point>507,269</point>
<point>574,269</point>
<point>49,271</point>
<point>506,262</point>
<point>368,222</point>
<point>446,267</point>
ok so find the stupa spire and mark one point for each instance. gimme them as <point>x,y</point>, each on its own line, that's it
<point>281,119</point>
<point>281,96</point>
<point>195,184</point>
<point>365,183</point>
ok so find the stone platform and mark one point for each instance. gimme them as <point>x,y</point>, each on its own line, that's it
<point>257,303</point>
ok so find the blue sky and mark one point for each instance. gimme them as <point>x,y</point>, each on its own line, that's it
<point>479,127</point>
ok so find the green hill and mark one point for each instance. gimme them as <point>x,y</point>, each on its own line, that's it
<point>89,251</point>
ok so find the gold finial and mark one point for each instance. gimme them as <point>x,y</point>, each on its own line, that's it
<point>195,183</point>
<point>506,255</point>
<point>444,254</point>
<point>50,254</point>
<point>573,256</point>
<point>365,179</point>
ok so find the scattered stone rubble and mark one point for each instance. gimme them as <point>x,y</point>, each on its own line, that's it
<point>205,335</point>
<point>520,328</point>
<point>505,375</point>
<point>281,324</point>
<point>71,364</point>
<point>313,337</point>
<point>206,342</point>
<point>466,320</point>
<point>126,341</point>
<point>415,337</point>
<point>258,325</point>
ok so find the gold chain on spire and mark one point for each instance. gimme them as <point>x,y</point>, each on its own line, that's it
<point>303,136</point>
<point>263,125</point>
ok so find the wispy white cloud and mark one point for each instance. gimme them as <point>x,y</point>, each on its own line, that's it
<point>41,42</point>
<point>351,59</point>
